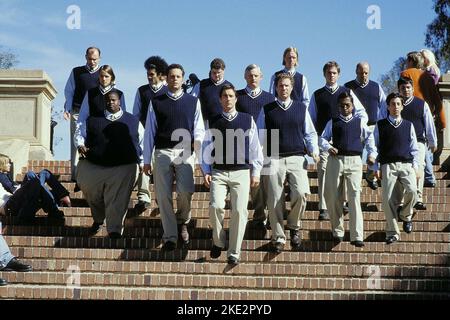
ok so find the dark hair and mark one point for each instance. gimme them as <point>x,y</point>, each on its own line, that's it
<point>404,80</point>
<point>329,65</point>
<point>109,70</point>
<point>157,63</point>
<point>217,63</point>
<point>227,86</point>
<point>344,95</point>
<point>282,76</point>
<point>93,48</point>
<point>175,66</point>
<point>394,95</point>
<point>113,91</point>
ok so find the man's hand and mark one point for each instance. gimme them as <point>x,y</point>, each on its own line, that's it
<point>370,161</point>
<point>141,168</point>
<point>82,150</point>
<point>147,169</point>
<point>66,115</point>
<point>379,175</point>
<point>333,151</point>
<point>433,149</point>
<point>418,173</point>
<point>207,181</point>
<point>254,182</point>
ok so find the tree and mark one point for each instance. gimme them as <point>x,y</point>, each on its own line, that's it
<point>438,33</point>
<point>7,59</point>
<point>388,81</point>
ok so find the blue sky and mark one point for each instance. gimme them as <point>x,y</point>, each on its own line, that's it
<point>194,32</point>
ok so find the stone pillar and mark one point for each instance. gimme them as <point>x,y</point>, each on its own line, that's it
<point>444,88</point>
<point>25,109</point>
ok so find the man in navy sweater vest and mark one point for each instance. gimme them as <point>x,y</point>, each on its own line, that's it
<point>349,135</point>
<point>233,163</point>
<point>396,141</point>
<point>322,108</point>
<point>208,90</point>
<point>418,112</point>
<point>290,62</point>
<point>174,123</point>
<point>81,79</point>
<point>251,100</point>
<point>372,97</point>
<point>156,74</point>
<point>112,150</point>
<point>289,121</point>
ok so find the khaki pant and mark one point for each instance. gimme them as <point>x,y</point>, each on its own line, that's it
<point>392,174</point>
<point>259,200</point>
<point>74,155</point>
<point>294,169</point>
<point>167,163</point>
<point>107,191</point>
<point>346,169</point>
<point>238,182</point>
<point>143,184</point>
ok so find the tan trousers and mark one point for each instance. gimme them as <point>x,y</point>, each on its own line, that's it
<point>74,155</point>
<point>167,163</point>
<point>346,169</point>
<point>259,200</point>
<point>404,174</point>
<point>321,173</point>
<point>143,184</point>
<point>107,191</point>
<point>294,169</point>
<point>238,182</point>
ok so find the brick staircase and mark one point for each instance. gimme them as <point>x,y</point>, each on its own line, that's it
<point>68,264</point>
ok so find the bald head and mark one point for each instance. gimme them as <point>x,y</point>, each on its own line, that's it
<point>362,72</point>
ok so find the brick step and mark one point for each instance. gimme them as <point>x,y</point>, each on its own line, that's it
<point>206,235</point>
<point>199,281</point>
<point>19,291</point>
<point>202,224</point>
<point>206,244</point>
<point>250,269</point>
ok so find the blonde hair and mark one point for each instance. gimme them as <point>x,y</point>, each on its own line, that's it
<point>429,55</point>
<point>286,51</point>
<point>4,161</point>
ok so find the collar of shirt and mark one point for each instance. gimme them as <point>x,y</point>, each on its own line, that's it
<point>175,95</point>
<point>113,116</point>
<point>218,82</point>
<point>253,92</point>
<point>291,71</point>
<point>362,85</point>
<point>230,115</point>
<point>92,70</point>
<point>284,104</point>
<point>333,88</point>
<point>408,101</point>
<point>157,87</point>
<point>105,90</point>
<point>346,118</point>
<point>395,121</point>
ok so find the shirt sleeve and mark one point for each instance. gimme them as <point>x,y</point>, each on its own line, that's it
<point>430,128</point>
<point>141,132</point>
<point>150,133</point>
<point>305,92</point>
<point>123,106</point>
<point>382,107</point>
<point>206,159</point>
<point>369,141</point>
<point>414,148</point>
<point>196,90</point>
<point>326,137</point>
<point>69,92</point>
<point>360,112</point>
<point>272,88</point>
<point>199,124</point>
<point>311,139</point>
<point>137,105</point>
<point>84,110</point>
<point>255,152</point>
<point>312,110</point>
<point>376,139</point>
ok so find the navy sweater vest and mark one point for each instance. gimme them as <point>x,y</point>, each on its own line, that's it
<point>147,94</point>
<point>253,106</point>
<point>297,91</point>
<point>414,112</point>
<point>327,106</point>
<point>394,142</point>
<point>172,115</point>
<point>289,124</point>
<point>234,153</point>
<point>210,99</point>
<point>97,104</point>
<point>113,143</point>
<point>347,137</point>
<point>369,97</point>
<point>84,81</point>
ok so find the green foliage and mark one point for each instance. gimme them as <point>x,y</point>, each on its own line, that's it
<point>388,81</point>
<point>7,59</point>
<point>438,33</point>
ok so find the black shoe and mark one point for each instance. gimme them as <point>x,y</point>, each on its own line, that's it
<point>76,188</point>
<point>233,261</point>
<point>345,208</point>
<point>420,206</point>
<point>16,265</point>
<point>259,225</point>
<point>372,184</point>
<point>169,246</point>
<point>114,235</point>
<point>215,252</point>
<point>338,240</point>
<point>407,226</point>
<point>56,216</point>
<point>323,214</point>
<point>3,282</point>
<point>184,234</point>
<point>357,243</point>
<point>391,239</point>
<point>295,239</point>
<point>276,247</point>
<point>427,184</point>
<point>95,228</point>
<point>140,207</point>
